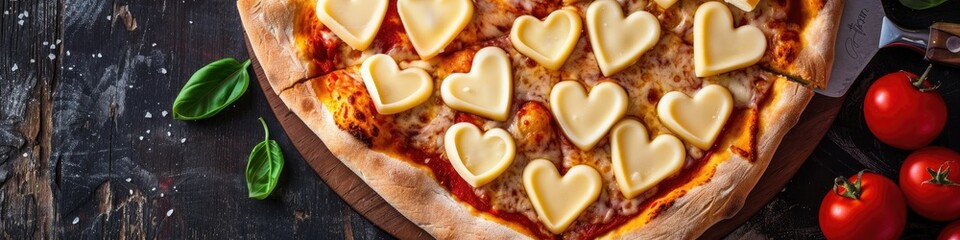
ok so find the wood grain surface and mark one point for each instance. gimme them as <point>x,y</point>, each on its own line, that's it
<point>78,79</point>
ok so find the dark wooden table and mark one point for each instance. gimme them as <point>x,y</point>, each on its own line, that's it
<point>88,148</point>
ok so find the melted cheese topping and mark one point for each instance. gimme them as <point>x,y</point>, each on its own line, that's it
<point>432,24</point>
<point>666,67</point>
<point>548,42</point>
<point>478,158</point>
<point>700,119</point>
<point>393,90</point>
<point>355,22</point>
<point>583,117</point>
<point>326,52</point>
<point>486,90</point>
<point>559,200</point>
<point>640,163</point>
<point>717,47</point>
<point>617,40</point>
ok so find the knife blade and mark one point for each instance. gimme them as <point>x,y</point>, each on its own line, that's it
<point>857,39</point>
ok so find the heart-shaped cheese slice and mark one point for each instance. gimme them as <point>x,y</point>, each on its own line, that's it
<point>717,47</point>
<point>559,200</point>
<point>638,162</point>
<point>478,158</point>
<point>393,90</point>
<point>432,24</point>
<point>487,90</point>
<point>745,5</point>
<point>665,3</point>
<point>698,120</point>
<point>355,21</point>
<point>617,41</point>
<point>549,42</point>
<point>585,118</point>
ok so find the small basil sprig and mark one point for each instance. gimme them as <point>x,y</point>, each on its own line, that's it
<point>211,89</point>
<point>922,4</point>
<point>263,166</point>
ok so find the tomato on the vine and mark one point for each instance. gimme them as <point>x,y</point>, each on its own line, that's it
<point>867,206</point>
<point>904,111</point>
<point>950,232</point>
<point>927,184</point>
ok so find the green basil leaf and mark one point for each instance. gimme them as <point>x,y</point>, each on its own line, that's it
<point>922,4</point>
<point>263,166</point>
<point>211,89</point>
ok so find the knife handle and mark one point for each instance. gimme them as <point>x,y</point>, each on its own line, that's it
<point>944,44</point>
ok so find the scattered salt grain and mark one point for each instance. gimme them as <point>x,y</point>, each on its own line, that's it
<point>153,45</point>
<point>183,140</point>
<point>148,115</point>
<point>76,220</point>
<point>26,14</point>
<point>53,46</point>
<point>68,52</point>
<point>33,60</point>
<point>6,12</point>
<point>99,55</point>
<point>161,194</point>
<point>14,68</point>
<point>148,131</point>
<point>20,22</point>
<point>46,43</point>
<point>164,113</point>
<point>109,17</point>
<point>163,70</point>
<point>169,212</point>
<point>168,133</point>
<point>25,155</point>
<point>58,41</point>
<point>153,189</point>
<point>70,68</point>
<point>51,56</point>
<point>129,179</point>
<point>141,138</point>
<point>191,22</point>
<point>131,191</point>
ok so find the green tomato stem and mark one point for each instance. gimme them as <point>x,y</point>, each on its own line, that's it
<point>939,176</point>
<point>918,82</point>
<point>851,190</point>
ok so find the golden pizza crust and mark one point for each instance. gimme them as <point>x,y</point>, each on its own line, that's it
<point>815,60</point>
<point>269,26</point>
<point>415,194</point>
<point>410,189</point>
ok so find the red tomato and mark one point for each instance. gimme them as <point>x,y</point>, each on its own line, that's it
<point>950,232</point>
<point>926,183</point>
<point>866,207</point>
<point>904,111</point>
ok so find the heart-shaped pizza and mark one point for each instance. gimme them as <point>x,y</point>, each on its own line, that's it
<point>644,119</point>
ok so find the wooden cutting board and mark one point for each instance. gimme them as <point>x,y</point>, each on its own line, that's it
<point>793,151</point>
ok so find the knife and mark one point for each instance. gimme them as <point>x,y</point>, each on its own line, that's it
<point>864,30</point>
<point>939,44</point>
<point>857,39</point>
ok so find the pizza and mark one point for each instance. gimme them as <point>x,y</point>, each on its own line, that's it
<point>545,118</point>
